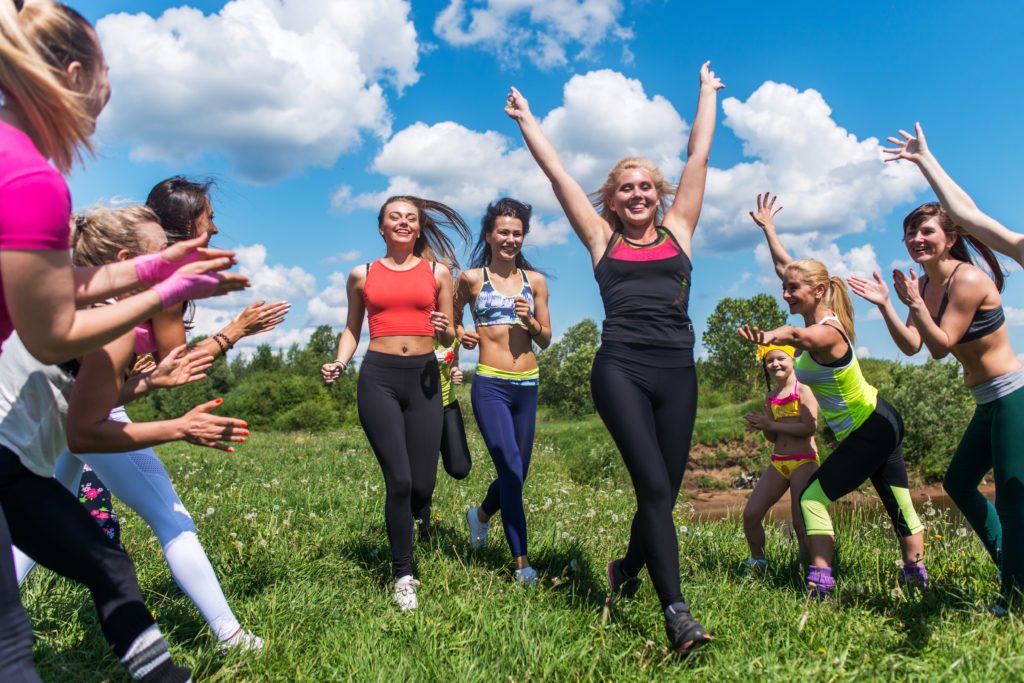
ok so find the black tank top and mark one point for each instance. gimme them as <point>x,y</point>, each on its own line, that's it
<point>645,289</point>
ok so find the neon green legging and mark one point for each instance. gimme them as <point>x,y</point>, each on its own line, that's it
<point>993,441</point>
<point>872,451</point>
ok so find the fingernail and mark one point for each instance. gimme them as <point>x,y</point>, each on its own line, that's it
<point>219,401</point>
<point>243,440</point>
<point>230,449</point>
<point>245,424</point>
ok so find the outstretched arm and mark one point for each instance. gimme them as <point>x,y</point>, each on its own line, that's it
<point>685,210</point>
<point>765,219</point>
<point>906,336</point>
<point>957,203</point>
<point>592,230</point>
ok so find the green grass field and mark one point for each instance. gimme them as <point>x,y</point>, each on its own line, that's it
<point>294,526</point>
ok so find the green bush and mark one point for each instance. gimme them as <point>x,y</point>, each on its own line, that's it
<point>565,371</point>
<point>936,409</point>
<point>731,365</point>
<point>263,397</point>
<point>315,415</point>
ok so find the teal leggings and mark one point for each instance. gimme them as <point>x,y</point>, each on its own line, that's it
<point>993,441</point>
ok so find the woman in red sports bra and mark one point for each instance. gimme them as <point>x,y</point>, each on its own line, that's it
<point>407,296</point>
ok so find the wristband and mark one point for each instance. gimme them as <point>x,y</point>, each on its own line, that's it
<point>178,288</point>
<point>227,340</point>
<point>154,268</point>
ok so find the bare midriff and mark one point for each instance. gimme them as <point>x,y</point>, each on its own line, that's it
<point>403,345</point>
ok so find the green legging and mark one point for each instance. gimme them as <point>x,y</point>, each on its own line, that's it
<point>993,441</point>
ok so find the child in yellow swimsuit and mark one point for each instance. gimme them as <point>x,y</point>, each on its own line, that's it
<point>789,420</point>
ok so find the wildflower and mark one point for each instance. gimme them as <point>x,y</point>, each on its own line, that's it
<point>209,512</point>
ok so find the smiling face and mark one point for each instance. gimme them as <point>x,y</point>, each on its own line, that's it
<point>204,223</point>
<point>798,292</point>
<point>779,364</point>
<point>928,242</point>
<point>506,239</point>
<point>635,198</point>
<point>400,224</point>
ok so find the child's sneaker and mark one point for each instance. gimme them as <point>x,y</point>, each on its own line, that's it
<point>405,593</point>
<point>820,582</point>
<point>755,566</point>
<point>527,576</point>
<point>477,530</point>
<point>914,576</point>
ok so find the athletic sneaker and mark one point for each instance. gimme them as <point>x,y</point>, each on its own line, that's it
<point>684,632</point>
<point>405,593</point>
<point>755,566</point>
<point>914,576</point>
<point>243,641</point>
<point>820,582</point>
<point>620,584</point>
<point>477,530</point>
<point>527,576</point>
<point>998,610</point>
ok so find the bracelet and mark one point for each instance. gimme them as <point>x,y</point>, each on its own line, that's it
<point>227,342</point>
<point>216,340</point>
<point>342,363</point>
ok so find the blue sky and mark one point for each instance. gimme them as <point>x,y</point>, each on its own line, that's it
<point>308,112</point>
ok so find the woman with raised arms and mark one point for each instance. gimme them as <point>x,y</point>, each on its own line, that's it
<point>869,429</point>
<point>956,308</point>
<point>508,299</point>
<point>53,85</point>
<point>407,297</point>
<point>643,381</point>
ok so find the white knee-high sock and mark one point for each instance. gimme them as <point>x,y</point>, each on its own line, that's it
<point>192,570</point>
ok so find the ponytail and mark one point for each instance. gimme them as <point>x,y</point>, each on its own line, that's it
<point>55,116</point>
<point>838,299</point>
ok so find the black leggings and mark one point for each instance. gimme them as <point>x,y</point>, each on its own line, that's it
<point>649,412</point>
<point>399,401</point>
<point>872,451</point>
<point>15,629</point>
<point>49,524</point>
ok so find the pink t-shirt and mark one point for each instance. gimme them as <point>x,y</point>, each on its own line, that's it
<point>35,204</point>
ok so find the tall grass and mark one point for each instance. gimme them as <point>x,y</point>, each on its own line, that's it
<point>294,526</point>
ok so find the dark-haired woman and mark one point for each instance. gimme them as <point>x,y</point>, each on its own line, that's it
<point>643,381</point>
<point>407,296</point>
<point>956,308</point>
<point>508,299</point>
<point>53,85</point>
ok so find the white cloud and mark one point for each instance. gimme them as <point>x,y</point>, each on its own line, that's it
<point>417,159</point>
<point>544,233</point>
<point>330,306</point>
<point>1014,316</point>
<point>863,352</point>
<point>544,31</point>
<point>272,85</point>
<point>344,257</point>
<point>830,182</point>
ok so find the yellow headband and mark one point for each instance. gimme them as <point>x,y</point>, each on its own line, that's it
<point>763,351</point>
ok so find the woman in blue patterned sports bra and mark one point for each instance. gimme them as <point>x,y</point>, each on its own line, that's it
<point>956,308</point>
<point>504,392</point>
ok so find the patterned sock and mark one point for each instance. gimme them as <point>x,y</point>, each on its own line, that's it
<point>149,660</point>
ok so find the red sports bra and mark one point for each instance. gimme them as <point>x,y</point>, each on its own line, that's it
<point>399,302</point>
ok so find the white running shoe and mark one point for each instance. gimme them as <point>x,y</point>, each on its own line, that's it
<point>477,530</point>
<point>244,640</point>
<point>527,576</point>
<point>405,593</point>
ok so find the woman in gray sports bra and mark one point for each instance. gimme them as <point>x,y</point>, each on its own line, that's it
<point>955,307</point>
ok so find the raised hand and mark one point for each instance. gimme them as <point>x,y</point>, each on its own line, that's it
<point>181,366</point>
<point>753,334</point>
<point>226,282</point>
<point>875,292</point>
<point>708,79</point>
<point>261,317</point>
<point>470,340</point>
<point>912,147</point>
<point>516,105</point>
<point>765,211</point>
<point>907,288</point>
<point>331,371</point>
<point>202,428</point>
<point>154,268</point>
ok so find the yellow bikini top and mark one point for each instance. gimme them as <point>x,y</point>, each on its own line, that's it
<point>785,406</point>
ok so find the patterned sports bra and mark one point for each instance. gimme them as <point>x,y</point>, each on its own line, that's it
<point>785,406</point>
<point>494,308</point>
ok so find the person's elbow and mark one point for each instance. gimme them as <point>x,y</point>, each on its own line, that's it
<point>81,439</point>
<point>47,351</point>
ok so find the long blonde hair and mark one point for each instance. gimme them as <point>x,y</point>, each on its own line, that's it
<point>836,295</point>
<point>99,233</point>
<point>601,198</point>
<point>31,45</point>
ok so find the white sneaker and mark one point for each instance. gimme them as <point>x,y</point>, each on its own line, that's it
<point>243,641</point>
<point>527,576</point>
<point>477,530</point>
<point>405,593</point>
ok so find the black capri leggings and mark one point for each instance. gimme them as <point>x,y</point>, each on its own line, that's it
<point>15,629</point>
<point>399,401</point>
<point>649,411</point>
<point>49,524</point>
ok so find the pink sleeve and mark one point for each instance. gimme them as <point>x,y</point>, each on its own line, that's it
<point>34,212</point>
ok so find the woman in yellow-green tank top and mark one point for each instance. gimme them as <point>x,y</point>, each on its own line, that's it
<point>870,431</point>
